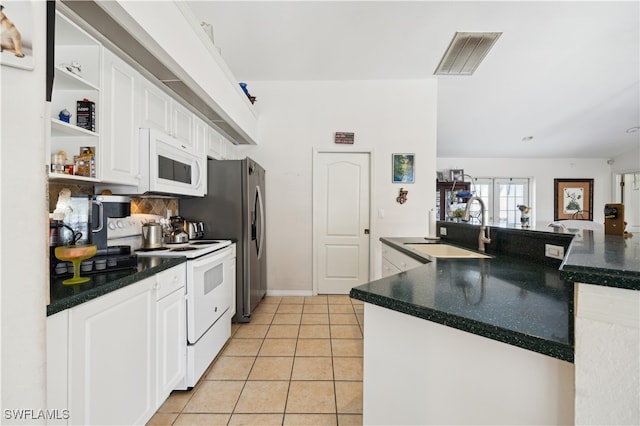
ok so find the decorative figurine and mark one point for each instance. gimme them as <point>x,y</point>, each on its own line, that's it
<point>525,212</point>
<point>402,198</point>
<point>252,99</point>
<point>64,115</point>
<point>74,68</point>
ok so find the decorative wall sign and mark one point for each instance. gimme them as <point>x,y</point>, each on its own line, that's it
<point>573,199</point>
<point>403,166</point>
<point>345,137</point>
<point>16,34</point>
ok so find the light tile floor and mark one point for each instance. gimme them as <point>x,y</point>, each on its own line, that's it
<point>299,362</point>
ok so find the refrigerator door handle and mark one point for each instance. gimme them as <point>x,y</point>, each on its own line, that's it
<point>261,227</point>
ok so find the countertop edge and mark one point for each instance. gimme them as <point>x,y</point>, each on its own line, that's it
<point>531,343</point>
<point>603,278</point>
<point>578,266</point>
<point>72,301</point>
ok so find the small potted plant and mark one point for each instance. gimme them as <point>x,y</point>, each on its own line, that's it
<point>457,214</point>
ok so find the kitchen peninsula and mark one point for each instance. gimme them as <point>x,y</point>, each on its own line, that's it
<point>498,342</point>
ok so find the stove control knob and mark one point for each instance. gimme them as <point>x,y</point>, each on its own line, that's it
<point>120,224</point>
<point>112,225</point>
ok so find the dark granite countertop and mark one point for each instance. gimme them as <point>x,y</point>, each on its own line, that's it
<point>608,260</point>
<point>67,296</point>
<point>505,298</point>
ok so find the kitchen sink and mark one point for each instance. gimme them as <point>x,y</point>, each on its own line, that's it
<point>446,251</point>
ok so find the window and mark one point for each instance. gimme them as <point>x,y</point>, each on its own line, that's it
<point>501,196</point>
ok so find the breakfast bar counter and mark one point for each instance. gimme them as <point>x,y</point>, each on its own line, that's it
<point>501,340</point>
<point>504,298</point>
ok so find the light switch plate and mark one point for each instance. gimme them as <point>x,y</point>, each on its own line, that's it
<point>555,252</point>
<point>443,230</point>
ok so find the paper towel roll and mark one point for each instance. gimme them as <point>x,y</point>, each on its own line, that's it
<point>432,224</point>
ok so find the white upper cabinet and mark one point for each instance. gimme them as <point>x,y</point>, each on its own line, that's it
<point>155,107</point>
<point>214,143</point>
<point>200,135</point>
<point>159,111</point>
<point>121,146</point>
<point>182,124</point>
<point>218,146</point>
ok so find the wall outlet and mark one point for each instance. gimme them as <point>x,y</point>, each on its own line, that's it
<point>443,230</point>
<point>555,252</point>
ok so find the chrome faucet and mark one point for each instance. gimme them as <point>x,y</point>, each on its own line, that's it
<point>483,238</point>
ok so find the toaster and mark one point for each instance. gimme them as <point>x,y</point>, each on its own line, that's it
<point>194,229</point>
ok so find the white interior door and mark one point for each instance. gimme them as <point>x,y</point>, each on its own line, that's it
<point>341,208</point>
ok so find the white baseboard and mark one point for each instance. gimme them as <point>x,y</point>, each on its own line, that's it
<point>281,293</point>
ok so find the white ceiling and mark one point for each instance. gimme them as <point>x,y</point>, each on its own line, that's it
<point>565,72</point>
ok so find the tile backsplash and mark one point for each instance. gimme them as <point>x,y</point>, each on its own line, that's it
<point>157,206</point>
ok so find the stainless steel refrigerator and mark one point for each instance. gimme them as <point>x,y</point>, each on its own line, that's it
<point>234,208</point>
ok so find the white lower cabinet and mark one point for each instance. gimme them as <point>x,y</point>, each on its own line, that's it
<point>394,261</point>
<point>388,268</point>
<point>171,332</point>
<point>111,352</point>
<point>125,352</point>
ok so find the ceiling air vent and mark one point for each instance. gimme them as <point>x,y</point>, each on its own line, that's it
<point>465,52</point>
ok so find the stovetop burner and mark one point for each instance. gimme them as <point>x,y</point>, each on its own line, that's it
<point>205,242</point>
<point>184,248</point>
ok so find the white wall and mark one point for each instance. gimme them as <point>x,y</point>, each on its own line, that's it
<point>296,117</point>
<point>543,171</point>
<point>24,229</point>
<point>628,162</point>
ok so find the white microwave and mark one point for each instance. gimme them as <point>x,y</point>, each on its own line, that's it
<point>167,167</point>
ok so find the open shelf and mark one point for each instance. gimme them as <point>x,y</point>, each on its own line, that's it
<point>62,128</point>
<point>66,80</point>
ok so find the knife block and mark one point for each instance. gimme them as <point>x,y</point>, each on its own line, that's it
<point>614,219</point>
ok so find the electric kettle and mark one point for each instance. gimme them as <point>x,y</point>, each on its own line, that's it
<point>152,235</point>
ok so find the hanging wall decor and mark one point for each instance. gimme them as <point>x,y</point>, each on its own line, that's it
<point>345,138</point>
<point>402,196</point>
<point>403,166</point>
<point>16,34</point>
<point>573,199</point>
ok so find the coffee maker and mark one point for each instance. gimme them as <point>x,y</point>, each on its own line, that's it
<point>107,207</point>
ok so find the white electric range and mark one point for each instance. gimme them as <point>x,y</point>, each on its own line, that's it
<point>210,285</point>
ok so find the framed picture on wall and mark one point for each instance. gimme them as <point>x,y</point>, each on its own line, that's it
<point>573,199</point>
<point>17,35</point>
<point>456,175</point>
<point>403,168</point>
